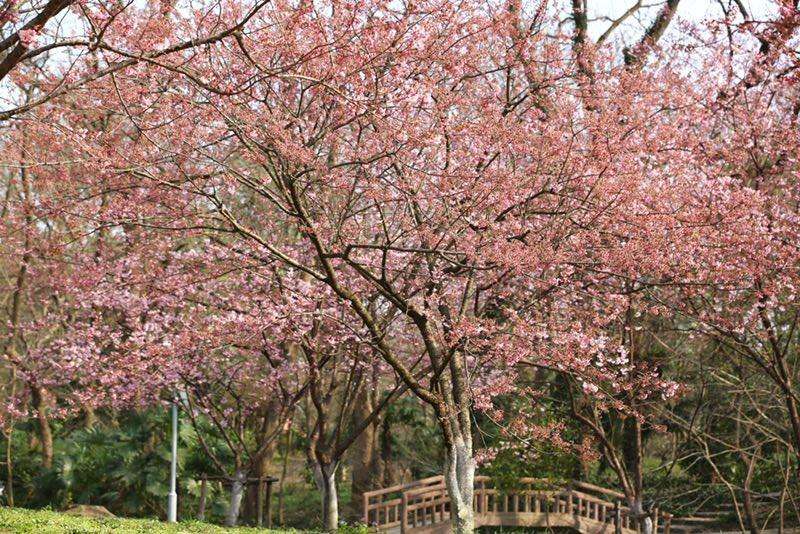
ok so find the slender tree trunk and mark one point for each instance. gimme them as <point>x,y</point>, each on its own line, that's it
<point>455,416</point>
<point>39,396</point>
<point>237,490</point>
<point>9,469</point>
<point>633,453</point>
<point>388,473</point>
<point>268,422</point>
<point>460,480</point>
<point>9,457</point>
<point>748,498</point>
<point>284,465</point>
<point>637,510</point>
<point>90,417</point>
<point>325,477</point>
<point>251,494</point>
<point>250,508</point>
<point>794,421</point>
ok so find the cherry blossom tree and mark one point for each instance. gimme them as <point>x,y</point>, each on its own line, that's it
<point>428,180</point>
<point>495,184</point>
<point>749,262</point>
<point>59,46</point>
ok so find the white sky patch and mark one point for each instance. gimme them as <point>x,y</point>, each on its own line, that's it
<point>692,10</point>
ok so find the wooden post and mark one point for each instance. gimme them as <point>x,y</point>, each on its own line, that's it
<point>201,508</point>
<point>617,517</point>
<point>365,509</point>
<point>443,505</point>
<point>268,511</point>
<point>260,501</point>
<point>403,515</point>
<point>655,520</point>
<point>667,523</point>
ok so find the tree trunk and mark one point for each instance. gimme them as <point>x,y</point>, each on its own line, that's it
<point>268,433</point>
<point>237,489</point>
<point>794,421</point>
<point>39,397</point>
<point>388,472</point>
<point>460,480</point>
<point>633,453</point>
<point>644,519</point>
<point>325,477</point>
<point>250,509</point>
<point>364,452</point>
<point>748,498</point>
<point>9,469</point>
<point>90,417</point>
<point>284,464</point>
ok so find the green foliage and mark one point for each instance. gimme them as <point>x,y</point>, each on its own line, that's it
<point>122,464</point>
<point>44,521</point>
<point>353,529</point>
<point>414,441</point>
<point>516,459</point>
<point>512,464</point>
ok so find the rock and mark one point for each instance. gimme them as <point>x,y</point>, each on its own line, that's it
<point>88,510</point>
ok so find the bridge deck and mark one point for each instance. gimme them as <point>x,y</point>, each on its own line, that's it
<point>423,507</point>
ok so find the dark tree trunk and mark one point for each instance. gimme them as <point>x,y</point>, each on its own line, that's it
<point>388,472</point>
<point>633,453</point>
<point>39,397</point>
<point>250,508</point>
<point>364,454</point>
<point>9,470</point>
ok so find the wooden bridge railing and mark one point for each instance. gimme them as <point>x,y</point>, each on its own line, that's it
<point>383,507</point>
<point>424,505</point>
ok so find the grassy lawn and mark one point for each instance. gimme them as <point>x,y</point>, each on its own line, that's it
<point>44,521</point>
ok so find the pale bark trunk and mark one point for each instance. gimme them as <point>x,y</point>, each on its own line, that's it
<point>90,417</point>
<point>460,481</point>
<point>637,511</point>
<point>237,490</point>
<point>647,525</point>
<point>325,477</point>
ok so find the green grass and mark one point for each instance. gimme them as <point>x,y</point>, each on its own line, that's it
<point>45,521</point>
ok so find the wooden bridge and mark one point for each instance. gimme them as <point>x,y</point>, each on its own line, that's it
<point>423,507</point>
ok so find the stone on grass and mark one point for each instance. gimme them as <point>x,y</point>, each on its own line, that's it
<point>88,510</point>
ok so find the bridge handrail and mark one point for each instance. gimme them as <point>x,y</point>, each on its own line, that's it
<point>376,500</point>
<point>404,504</point>
<point>416,492</point>
<point>561,484</point>
<point>403,487</point>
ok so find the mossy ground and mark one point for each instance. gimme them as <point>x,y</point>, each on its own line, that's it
<point>45,521</point>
